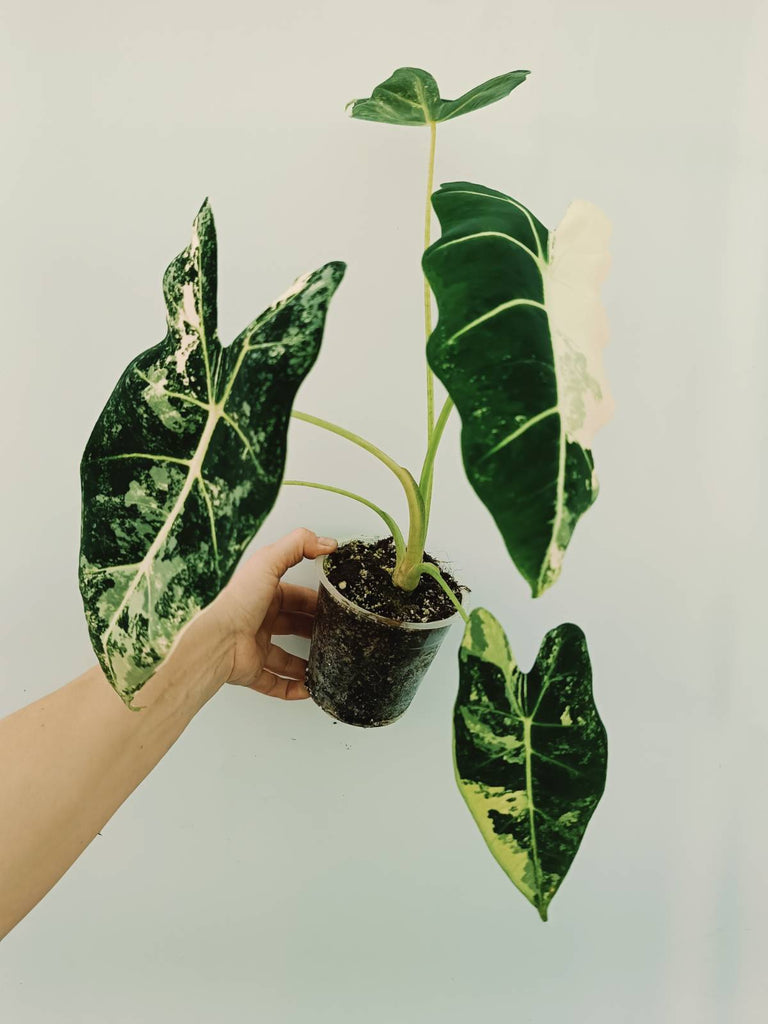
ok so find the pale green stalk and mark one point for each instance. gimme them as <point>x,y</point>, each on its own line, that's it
<point>428,469</point>
<point>334,428</point>
<point>427,292</point>
<point>435,430</point>
<point>434,572</point>
<point>409,565</point>
<point>391,524</point>
<point>405,574</point>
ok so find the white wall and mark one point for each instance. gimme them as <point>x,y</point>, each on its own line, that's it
<point>278,867</point>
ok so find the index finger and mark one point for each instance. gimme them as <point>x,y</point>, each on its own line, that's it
<point>291,549</point>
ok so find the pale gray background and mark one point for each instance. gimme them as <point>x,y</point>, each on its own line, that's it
<point>278,867</point>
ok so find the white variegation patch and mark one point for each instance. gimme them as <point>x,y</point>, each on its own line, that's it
<point>578,262</point>
<point>513,858</point>
<point>188,326</point>
<point>294,289</point>
<point>485,638</point>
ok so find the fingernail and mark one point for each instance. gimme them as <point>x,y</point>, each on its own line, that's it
<point>326,542</point>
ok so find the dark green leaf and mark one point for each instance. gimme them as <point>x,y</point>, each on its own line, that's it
<point>410,96</point>
<point>518,345</point>
<point>530,751</point>
<point>186,458</point>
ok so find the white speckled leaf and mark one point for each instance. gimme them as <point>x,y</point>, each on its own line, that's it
<point>410,97</point>
<point>530,751</point>
<point>518,345</point>
<point>186,458</point>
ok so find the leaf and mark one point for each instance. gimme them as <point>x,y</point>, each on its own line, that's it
<point>530,751</point>
<point>186,458</point>
<point>518,345</point>
<point>410,96</point>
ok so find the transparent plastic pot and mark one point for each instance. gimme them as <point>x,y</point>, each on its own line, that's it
<point>364,669</point>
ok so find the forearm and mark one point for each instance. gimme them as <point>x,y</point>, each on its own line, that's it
<point>68,761</point>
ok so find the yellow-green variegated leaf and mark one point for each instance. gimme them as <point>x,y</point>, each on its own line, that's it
<point>518,345</point>
<point>530,751</point>
<point>410,96</point>
<point>186,460</point>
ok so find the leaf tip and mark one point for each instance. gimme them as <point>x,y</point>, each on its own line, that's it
<point>334,271</point>
<point>569,632</point>
<point>127,699</point>
<point>537,588</point>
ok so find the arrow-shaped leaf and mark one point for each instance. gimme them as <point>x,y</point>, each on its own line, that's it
<point>518,345</point>
<point>186,458</point>
<point>530,751</point>
<point>410,96</point>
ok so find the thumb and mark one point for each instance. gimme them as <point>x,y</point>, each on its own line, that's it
<point>293,547</point>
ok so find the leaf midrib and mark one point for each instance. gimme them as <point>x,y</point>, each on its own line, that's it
<point>195,465</point>
<point>216,412</point>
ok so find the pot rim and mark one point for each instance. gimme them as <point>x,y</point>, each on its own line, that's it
<point>375,616</point>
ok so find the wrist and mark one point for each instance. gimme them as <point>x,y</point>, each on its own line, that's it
<point>196,667</point>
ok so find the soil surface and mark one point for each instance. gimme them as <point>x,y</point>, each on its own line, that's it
<point>362,572</point>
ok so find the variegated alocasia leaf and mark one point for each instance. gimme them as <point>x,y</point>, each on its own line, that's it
<point>186,459</point>
<point>530,751</point>
<point>410,96</point>
<point>518,345</point>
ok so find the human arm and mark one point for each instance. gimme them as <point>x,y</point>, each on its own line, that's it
<point>70,759</point>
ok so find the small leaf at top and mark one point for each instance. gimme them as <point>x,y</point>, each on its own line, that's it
<point>410,96</point>
<point>530,751</point>
<point>186,458</point>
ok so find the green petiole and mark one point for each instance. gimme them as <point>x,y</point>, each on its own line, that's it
<point>409,564</point>
<point>391,524</point>
<point>432,570</point>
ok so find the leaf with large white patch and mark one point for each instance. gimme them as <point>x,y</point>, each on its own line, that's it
<point>186,458</point>
<point>530,751</point>
<point>518,345</point>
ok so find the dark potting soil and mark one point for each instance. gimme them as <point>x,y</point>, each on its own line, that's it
<point>365,671</point>
<point>362,572</point>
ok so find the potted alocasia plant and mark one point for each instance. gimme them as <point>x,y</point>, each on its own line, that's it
<point>188,456</point>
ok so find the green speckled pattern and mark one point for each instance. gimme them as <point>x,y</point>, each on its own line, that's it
<point>410,96</point>
<point>518,344</point>
<point>186,458</point>
<point>530,751</point>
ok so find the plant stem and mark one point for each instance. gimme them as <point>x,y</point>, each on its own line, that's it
<point>404,575</point>
<point>434,572</point>
<point>391,524</point>
<point>427,292</point>
<point>428,469</point>
<point>408,563</point>
<point>356,439</point>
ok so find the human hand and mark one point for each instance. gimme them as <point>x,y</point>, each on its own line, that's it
<point>256,605</point>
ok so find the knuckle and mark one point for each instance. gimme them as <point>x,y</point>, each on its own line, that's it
<point>302,534</point>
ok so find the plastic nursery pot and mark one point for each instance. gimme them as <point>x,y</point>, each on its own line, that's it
<point>363,668</point>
